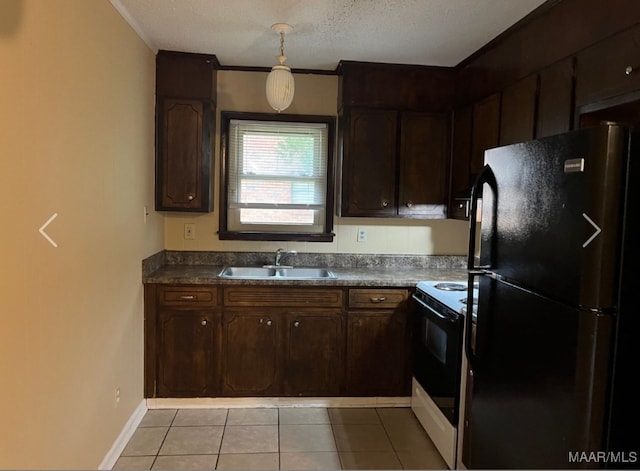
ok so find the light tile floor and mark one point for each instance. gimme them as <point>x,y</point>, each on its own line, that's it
<point>284,438</point>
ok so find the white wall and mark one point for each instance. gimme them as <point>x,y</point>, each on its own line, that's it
<point>76,140</point>
<point>315,94</point>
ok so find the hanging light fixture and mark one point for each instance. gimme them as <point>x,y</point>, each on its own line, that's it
<point>280,84</point>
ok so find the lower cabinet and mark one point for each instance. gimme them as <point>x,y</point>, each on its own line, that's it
<point>187,353</point>
<point>234,341</point>
<point>282,341</point>
<point>251,354</point>
<point>378,343</point>
<point>182,341</point>
<point>313,354</point>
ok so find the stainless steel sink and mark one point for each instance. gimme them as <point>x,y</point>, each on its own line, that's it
<point>272,272</point>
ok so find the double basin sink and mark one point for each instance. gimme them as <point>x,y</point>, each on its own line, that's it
<point>273,272</point>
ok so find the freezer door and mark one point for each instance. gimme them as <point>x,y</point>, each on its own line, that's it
<point>538,381</point>
<point>553,223</point>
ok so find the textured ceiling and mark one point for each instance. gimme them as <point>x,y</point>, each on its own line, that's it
<point>238,32</point>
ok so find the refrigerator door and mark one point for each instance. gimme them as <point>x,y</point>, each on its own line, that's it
<point>537,384</point>
<point>553,223</point>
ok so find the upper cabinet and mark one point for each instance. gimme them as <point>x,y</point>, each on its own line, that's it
<point>609,68</point>
<point>518,111</point>
<point>185,123</point>
<point>559,68</point>
<point>555,98</point>
<point>394,128</point>
<point>369,162</point>
<point>396,164</point>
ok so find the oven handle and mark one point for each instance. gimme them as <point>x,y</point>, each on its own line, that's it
<point>447,319</point>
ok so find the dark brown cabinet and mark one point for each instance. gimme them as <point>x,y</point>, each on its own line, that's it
<point>239,341</point>
<point>518,111</point>
<point>394,127</point>
<point>183,170</point>
<point>187,353</point>
<point>485,131</point>
<point>313,359</point>
<point>424,157</point>
<point>555,99</point>
<point>368,184</point>
<point>185,122</point>
<point>282,342</point>
<point>182,338</point>
<point>460,182</point>
<point>476,128</point>
<point>394,163</point>
<point>251,358</point>
<point>609,68</point>
<point>377,343</point>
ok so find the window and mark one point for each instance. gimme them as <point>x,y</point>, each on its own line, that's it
<point>277,177</point>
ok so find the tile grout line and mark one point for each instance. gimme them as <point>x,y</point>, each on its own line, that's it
<point>164,439</point>
<point>386,432</point>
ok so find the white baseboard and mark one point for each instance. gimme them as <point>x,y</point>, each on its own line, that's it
<point>126,433</point>
<point>233,402</point>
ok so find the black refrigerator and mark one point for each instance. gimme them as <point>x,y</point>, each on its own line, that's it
<point>553,347</point>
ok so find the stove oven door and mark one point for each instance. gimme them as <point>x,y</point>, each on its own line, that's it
<point>437,350</point>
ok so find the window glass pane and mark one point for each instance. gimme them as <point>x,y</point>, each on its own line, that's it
<point>277,173</point>
<point>276,216</point>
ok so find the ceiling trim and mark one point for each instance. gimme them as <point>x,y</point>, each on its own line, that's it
<point>134,24</point>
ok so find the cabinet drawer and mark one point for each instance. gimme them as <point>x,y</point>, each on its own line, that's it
<point>282,297</point>
<point>187,296</point>
<point>377,298</point>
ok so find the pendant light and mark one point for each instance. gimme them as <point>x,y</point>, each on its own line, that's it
<point>280,84</point>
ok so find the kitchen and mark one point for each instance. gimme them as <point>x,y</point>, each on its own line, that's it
<point>70,342</point>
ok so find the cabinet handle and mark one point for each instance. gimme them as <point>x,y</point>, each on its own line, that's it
<point>378,299</point>
<point>203,322</point>
<point>384,203</point>
<point>188,297</point>
<point>296,323</point>
<point>190,197</point>
<point>269,322</point>
<point>628,70</point>
<point>409,204</point>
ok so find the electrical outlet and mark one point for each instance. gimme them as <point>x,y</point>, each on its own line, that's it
<point>190,231</point>
<point>362,234</point>
<point>146,213</point>
<point>117,396</point>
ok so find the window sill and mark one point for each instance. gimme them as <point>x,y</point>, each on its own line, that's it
<point>277,236</point>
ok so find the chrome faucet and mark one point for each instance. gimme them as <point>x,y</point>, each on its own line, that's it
<point>281,253</point>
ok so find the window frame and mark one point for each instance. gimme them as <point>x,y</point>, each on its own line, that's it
<point>223,233</point>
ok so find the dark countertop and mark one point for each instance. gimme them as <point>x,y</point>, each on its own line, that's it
<point>364,276</point>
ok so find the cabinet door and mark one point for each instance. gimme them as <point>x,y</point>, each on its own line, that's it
<point>251,353</point>
<point>183,167</point>
<point>485,130</point>
<point>377,353</point>
<point>313,354</point>
<point>369,163</point>
<point>555,99</point>
<point>609,68</point>
<point>460,186</point>
<point>188,353</point>
<point>424,152</point>
<point>518,111</point>
<point>186,75</point>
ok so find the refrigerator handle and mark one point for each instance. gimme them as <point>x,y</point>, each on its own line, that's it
<point>470,325</point>
<point>486,176</point>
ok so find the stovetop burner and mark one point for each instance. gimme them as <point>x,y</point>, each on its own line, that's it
<point>451,286</point>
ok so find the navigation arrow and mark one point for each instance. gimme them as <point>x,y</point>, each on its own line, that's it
<point>44,234</point>
<point>595,234</point>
